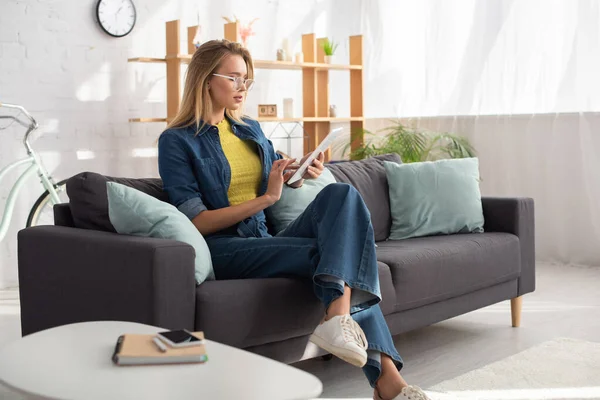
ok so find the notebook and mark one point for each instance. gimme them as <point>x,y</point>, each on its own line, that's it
<point>135,349</point>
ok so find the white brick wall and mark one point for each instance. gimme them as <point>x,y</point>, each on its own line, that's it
<point>57,62</point>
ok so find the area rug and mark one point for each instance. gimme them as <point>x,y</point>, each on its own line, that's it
<point>559,369</point>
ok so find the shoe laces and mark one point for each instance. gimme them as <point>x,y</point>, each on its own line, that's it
<point>352,331</point>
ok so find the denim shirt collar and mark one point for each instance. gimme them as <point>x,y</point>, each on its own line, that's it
<point>205,126</point>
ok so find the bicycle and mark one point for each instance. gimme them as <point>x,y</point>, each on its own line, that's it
<point>42,212</point>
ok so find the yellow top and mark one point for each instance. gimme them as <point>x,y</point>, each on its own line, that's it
<point>246,167</point>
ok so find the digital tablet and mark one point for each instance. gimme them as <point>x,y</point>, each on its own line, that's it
<point>320,148</point>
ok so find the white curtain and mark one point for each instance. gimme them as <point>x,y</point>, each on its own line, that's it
<point>552,158</point>
<point>470,57</point>
<point>521,79</point>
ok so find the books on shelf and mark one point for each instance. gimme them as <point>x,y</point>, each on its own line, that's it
<point>136,349</point>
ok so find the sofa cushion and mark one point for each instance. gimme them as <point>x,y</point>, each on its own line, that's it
<point>434,198</point>
<point>369,178</point>
<point>89,202</point>
<point>135,213</point>
<point>293,202</point>
<point>251,312</point>
<point>386,286</point>
<point>431,269</point>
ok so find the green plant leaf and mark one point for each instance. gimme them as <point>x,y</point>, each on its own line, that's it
<point>411,144</point>
<point>329,46</point>
<point>453,146</point>
<point>344,146</point>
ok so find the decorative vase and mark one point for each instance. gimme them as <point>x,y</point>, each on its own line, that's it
<point>285,45</point>
<point>327,59</point>
<point>288,108</point>
<point>197,41</point>
<point>280,55</point>
<point>332,111</point>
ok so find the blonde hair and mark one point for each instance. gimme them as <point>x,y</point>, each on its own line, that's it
<point>196,103</point>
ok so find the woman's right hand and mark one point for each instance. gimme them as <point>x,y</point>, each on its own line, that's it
<point>277,178</point>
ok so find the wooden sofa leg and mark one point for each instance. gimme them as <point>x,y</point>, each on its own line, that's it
<point>516,305</point>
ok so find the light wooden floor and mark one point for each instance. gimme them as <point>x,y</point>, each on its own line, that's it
<point>565,304</point>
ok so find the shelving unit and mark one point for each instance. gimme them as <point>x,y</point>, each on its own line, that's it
<point>310,119</point>
<point>260,64</point>
<point>315,82</point>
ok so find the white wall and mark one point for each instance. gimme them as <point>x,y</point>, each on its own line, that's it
<point>57,62</point>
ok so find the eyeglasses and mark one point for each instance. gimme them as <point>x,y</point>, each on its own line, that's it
<point>238,82</point>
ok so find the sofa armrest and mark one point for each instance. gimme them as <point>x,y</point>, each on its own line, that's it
<point>516,216</point>
<point>69,275</point>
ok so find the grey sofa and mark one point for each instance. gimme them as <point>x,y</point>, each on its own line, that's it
<point>70,274</point>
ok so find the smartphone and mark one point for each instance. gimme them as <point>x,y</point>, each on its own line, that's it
<point>180,338</point>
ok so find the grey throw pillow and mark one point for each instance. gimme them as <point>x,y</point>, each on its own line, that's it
<point>369,178</point>
<point>88,199</point>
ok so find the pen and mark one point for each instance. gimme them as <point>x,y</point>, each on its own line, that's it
<point>159,344</point>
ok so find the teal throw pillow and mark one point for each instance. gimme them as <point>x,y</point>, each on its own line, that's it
<point>434,198</point>
<point>293,202</point>
<point>135,213</point>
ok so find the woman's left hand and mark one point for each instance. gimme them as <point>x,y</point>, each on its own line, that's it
<point>312,172</point>
<point>316,169</point>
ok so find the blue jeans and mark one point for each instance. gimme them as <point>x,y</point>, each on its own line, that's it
<point>332,244</point>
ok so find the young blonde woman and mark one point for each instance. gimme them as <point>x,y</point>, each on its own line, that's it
<point>220,170</point>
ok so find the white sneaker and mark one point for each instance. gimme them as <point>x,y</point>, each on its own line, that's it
<point>407,393</point>
<point>342,337</point>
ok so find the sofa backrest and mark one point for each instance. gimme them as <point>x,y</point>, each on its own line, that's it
<point>369,178</point>
<point>88,199</point>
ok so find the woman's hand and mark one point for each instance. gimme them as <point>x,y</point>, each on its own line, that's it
<point>316,169</point>
<point>277,177</point>
<point>312,172</point>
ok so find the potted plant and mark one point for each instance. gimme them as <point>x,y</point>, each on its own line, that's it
<point>412,144</point>
<point>329,48</point>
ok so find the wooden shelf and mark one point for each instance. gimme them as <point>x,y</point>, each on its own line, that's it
<point>259,64</point>
<point>147,120</point>
<point>271,64</point>
<point>268,119</point>
<point>146,60</point>
<point>310,119</point>
<point>315,81</point>
<point>184,58</point>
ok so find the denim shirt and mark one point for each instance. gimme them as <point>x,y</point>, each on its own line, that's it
<point>196,174</point>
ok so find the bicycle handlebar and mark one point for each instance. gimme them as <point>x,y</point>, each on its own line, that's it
<point>32,127</point>
<point>22,109</point>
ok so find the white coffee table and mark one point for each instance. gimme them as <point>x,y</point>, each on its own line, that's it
<point>74,362</point>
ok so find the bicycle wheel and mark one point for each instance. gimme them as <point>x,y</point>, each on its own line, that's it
<point>42,212</point>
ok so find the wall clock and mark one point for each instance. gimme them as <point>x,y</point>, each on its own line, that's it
<point>116,17</point>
